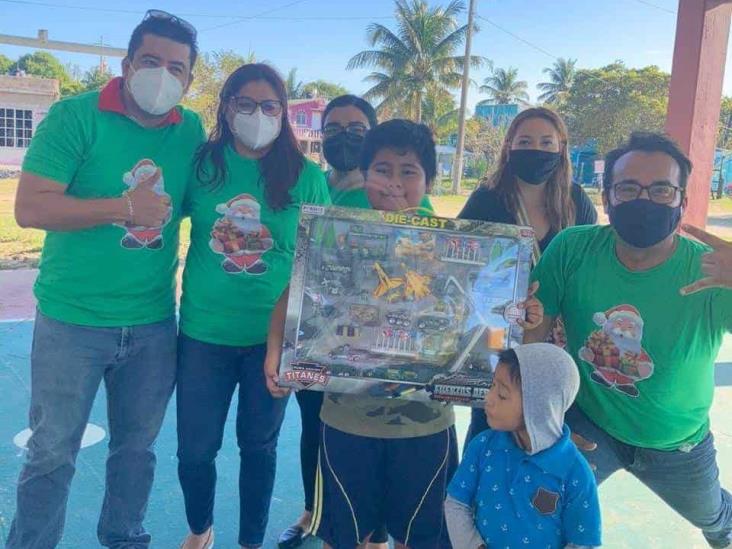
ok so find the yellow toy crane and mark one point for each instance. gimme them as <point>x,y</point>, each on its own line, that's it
<point>386,283</point>
<point>417,285</point>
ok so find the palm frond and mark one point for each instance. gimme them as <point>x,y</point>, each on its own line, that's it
<point>373,58</point>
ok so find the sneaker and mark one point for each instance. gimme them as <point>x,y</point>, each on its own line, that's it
<point>293,537</point>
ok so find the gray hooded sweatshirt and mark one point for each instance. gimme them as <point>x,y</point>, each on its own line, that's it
<point>549,385</point>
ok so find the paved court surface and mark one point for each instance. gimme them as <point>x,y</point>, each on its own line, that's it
<point>633,517</point>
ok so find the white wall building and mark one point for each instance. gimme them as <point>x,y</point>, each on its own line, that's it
<point>24,101</point>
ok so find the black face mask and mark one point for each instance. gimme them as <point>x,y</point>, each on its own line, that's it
<point>342,151</point>
<point>642,223</point>
<point>533,166</point>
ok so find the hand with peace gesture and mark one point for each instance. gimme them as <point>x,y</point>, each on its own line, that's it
<point>384,194</point>
<point>716,265</point>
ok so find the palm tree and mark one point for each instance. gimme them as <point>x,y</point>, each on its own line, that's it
<point>294,87</point>
<point>503,86</point>
<point>561,78</point>
<point>416,59</point>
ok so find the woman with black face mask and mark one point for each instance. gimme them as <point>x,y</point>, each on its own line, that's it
<point>346,121</point>
<point>532,186</point>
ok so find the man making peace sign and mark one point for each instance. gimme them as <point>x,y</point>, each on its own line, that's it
<point>716,265</point>
<point>645,311</point>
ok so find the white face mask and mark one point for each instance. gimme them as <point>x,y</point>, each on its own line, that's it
<point>155,91</point>
<point>256,130</point>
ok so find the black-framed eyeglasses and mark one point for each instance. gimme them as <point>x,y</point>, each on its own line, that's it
<point>165,16</point>
<point>247,105</point>
<point>354,128</point>
<point>660,193</point>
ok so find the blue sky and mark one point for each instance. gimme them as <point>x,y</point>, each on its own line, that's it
<point>316,37</point>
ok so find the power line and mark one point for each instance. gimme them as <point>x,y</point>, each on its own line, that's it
<point>326,18</point>
<point>517,37</point>
<point>255,16</point>
<point>656,6</point>
<point>83,8</point>
<point>538,48</point>
<point>202,15</point>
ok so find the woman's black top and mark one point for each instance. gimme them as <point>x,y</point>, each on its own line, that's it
<point>484,204</point>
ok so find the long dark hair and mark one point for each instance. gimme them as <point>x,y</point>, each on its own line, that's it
<point>280,167</point>
<point>560,209</point>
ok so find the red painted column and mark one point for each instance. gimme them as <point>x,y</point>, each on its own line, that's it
<point>700,53</point>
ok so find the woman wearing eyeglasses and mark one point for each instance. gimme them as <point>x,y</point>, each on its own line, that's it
<point>249,181</point>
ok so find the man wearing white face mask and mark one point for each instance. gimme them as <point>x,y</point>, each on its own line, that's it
<point>105,176</point>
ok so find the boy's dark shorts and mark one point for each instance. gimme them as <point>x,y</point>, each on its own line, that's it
<point>365,482</point>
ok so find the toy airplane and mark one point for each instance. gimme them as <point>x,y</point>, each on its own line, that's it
<point>417,286</point>
<point>386,283</point>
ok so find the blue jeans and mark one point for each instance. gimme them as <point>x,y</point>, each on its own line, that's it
<point>207,377</point>
<point>68,363</point>
<point>687,481</point>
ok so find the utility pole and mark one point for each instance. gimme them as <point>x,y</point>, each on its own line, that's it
<point>457,166</point>
<point>102,59</point>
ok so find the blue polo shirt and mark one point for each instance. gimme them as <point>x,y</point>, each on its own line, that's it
<point>547,500</point>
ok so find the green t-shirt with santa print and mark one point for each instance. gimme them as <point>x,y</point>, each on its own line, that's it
<point>645,353</point>
<point>111,275</point>
<point>241,253</point>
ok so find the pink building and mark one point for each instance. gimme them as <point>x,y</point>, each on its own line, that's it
<point>306,117</point>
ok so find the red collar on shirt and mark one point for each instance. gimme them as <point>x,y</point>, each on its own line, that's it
<point>110,100</point>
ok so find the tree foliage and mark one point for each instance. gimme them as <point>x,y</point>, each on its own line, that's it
<point>46,65</point>
<point>503,86</point>
<point>561,78</point>
<point>209,74</point>
<point>419,57</point>
<point>323,88</point>
<point>440,113</point>
<point>605,105</point>
<point>296,89</point>
<point>485,140</point>
<point>5,64</point>
<point>96,78</point>
<point>724,132</point>
<point>293,86</point>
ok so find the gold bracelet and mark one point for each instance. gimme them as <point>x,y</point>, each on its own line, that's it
<point>129,207</point>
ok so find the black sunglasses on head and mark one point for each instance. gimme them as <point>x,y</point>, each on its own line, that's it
<point>165,16</point>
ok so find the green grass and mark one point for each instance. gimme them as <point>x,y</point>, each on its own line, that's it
<point>448,205</point>
<point>21,248</point>
<point>444,185</point>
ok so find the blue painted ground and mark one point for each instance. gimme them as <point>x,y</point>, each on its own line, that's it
<point>633,517</point>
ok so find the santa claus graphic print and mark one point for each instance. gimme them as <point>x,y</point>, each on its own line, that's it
<point>138,237</point>
<point>240,236</point>
<point>615,351</point>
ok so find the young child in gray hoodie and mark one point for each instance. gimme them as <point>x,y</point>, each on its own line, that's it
<point>523,483</point>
